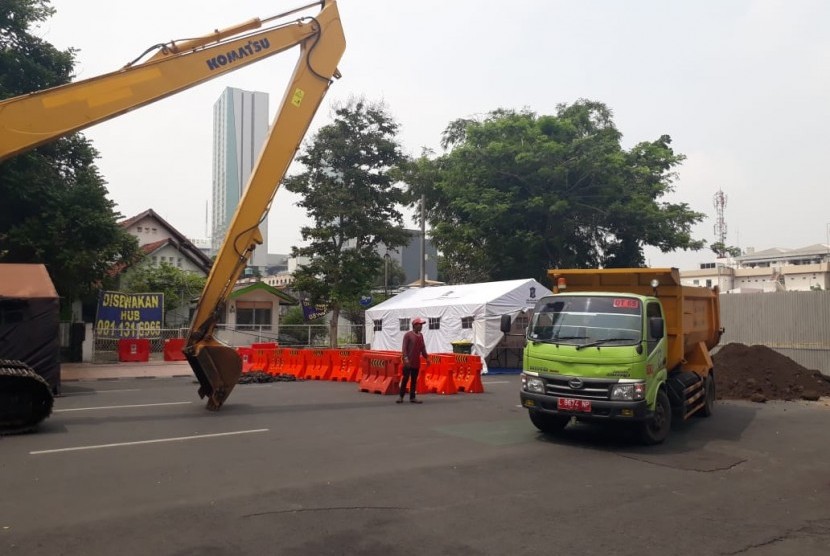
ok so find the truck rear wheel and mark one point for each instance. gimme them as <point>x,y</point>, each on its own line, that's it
<point>548,424</point>
<point>709,397</point>
<point>656,430</point>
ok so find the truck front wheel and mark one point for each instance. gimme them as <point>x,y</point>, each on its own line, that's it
<point>548,424</point>
<point>656,429</point>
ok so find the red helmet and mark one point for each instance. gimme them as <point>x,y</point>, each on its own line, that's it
<point>418,320</point>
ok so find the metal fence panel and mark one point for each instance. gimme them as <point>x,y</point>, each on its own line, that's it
<point>795,324</point>
<point>105,350</point>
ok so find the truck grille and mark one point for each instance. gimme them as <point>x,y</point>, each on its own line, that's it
<point>591,389</point>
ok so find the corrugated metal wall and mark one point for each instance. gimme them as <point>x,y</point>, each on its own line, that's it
<point>795,324</point>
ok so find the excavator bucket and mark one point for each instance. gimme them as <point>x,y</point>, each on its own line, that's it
<point>218,369</point>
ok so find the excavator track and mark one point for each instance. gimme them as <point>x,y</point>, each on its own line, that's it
<point>25,398</point>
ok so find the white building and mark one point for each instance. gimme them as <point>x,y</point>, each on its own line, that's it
<point>240,127</point>
<point>776,269</point>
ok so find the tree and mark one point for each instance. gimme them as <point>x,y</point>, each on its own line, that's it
<point>177,285</point>
<point>349,191</point>
<point>54,208</point>
<point>391,275</point>
<point>722,250</point>
<point>516,194</point>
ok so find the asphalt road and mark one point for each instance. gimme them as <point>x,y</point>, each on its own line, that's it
<point>139,467</point>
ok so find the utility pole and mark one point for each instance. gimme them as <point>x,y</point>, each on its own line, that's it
<point>386,275</point>
<point>423,241</point>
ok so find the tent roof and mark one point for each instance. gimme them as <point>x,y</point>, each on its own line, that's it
<point>462,294</point>
<point>26,281</point>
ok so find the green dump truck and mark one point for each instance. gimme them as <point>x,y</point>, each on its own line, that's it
<point>620,345</point>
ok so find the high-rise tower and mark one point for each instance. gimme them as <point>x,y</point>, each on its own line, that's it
<point>240,126</point>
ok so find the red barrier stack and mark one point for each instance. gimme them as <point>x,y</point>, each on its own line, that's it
<point>294,362</point>
<point>133,350</point>
<point>264,345</point>
<point>438,377</point>
<point>173,349</point>
<point>318,364</point>
<point>345,365</point>
<point>467,373</point>
<point>381,373</point>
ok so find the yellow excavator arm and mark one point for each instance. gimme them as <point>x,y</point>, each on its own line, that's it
<point>37,118</point>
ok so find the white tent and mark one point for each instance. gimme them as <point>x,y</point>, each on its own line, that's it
<point>470,312</point>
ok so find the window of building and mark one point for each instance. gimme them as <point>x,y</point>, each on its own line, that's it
<point>139,229</point>
<point>467,322</point>
<point>252,315</point>
<point>404,324</point>
<point>696,282</point>
<point>434,323</point>
<point>377,325</point>
<point>708,283</point>
<point>155,259</point>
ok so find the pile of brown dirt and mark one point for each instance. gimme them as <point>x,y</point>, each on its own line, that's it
<point>759,373</point>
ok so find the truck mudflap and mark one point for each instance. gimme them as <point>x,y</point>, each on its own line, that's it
<point>599,410</point>
<point>218,368</point>
<point>25,398</point>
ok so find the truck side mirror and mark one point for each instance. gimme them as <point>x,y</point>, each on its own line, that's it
<point>506,324</point>
<point>656,327</point>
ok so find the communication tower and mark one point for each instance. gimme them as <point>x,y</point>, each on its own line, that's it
<point>720,221</point>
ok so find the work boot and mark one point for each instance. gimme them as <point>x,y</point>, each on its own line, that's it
<point>399,400</point>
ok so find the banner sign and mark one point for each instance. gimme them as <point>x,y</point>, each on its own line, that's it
<point>129,315</point>
<point>311,312</point>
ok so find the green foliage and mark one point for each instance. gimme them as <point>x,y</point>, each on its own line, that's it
<point>519,193</point>
<point>54,208</point>
<point>721,250</point>
<point>349,190</point>
<point>177,285</point>
<point>391,274</point>
<point>295,329</point>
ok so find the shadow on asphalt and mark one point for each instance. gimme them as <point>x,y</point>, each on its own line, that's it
<point>727,424</point>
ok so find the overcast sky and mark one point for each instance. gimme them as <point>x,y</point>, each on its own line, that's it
<point>741,86</point>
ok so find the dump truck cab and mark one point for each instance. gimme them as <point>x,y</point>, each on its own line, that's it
<point>623,345</point>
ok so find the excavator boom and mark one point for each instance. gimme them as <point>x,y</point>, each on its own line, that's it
<point>40,117</point>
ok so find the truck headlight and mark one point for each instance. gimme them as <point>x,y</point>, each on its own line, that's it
<point>533,384</point>
<point>629,392</point>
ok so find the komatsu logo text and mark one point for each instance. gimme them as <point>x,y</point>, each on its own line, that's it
<point>232,56</point>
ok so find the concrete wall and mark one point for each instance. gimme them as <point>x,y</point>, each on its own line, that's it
<point>795,324</point>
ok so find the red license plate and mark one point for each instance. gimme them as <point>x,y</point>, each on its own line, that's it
<point>568,404</point>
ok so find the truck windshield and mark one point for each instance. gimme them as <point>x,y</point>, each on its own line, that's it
<point>581,320</point>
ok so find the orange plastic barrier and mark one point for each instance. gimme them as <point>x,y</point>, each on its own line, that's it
<point>275,366</point>
<point>438,376</point>
<point>467,373</point>
<point>294,362</point>
<point>247,356</point>
<point>261,357</point>
<point>173,349</point>
<point>133,349</point>
<point>381,373</point>
<point>345,365</point>
<point>318,364</point>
